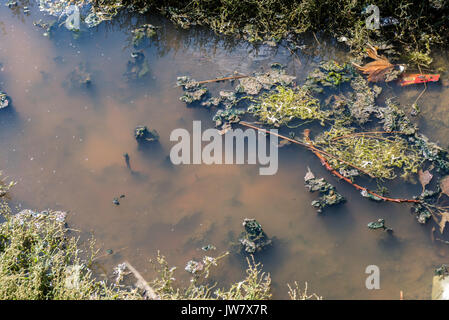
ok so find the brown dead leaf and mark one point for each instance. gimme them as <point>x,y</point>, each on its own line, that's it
<point>444,185</point>
<point>444,219</point>
<point>424,178</point>
<point>377,69</point>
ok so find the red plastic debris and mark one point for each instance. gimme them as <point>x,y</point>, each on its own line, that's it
<point>418,78</point>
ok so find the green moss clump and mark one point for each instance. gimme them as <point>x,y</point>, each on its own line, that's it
<point>283,105</point>
<point>329,74</point>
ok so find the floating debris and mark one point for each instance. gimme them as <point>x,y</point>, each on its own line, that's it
<point>254,238</point>
<point>227,116</point>
<point>418,78</point>
<point>276,76</point>
<point>193,91</point>
<point>192,96</point>
<point>4,100</point>
<point>49,27</point>
<point>329,74</point>
<point>362,100</point>
<point>208,247</point>
<point>380,69</point>
<point>11,4</point>
<point>142,134</point>
<point>328,195</point>
<point>379,224</point>
<point>394,119</point>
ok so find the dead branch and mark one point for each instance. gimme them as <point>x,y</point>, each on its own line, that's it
<point>149,292</point>
<point>221,79</point>
<point>325,163</point>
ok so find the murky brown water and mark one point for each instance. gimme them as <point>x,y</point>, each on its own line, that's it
<point>65,148</point>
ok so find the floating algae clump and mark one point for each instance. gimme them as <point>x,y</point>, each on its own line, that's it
<point>377,155</point>
<point>4,100</point>
<point>275,76</point>
<point>328,195</point>
<point>362,100</point>
<point>394,119</point>
<point>142,134</point>
<point>254,238</point>
<point>328,74</point>
<point>285,104</point>
<point>192,90</point>
<point>379,224</point>
<point>227,116</point>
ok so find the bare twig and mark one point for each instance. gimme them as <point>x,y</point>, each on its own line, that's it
<point>149,292</point>
<point>221,79</point>
<point>308,146</point>
<point>325,163</point>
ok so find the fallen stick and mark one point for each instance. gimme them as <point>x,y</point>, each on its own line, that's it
<point>326,164</point>
<point>221,79</point>
<point>308,146</point>
<point>149,292</point>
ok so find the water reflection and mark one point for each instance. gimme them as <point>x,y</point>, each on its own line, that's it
<point>65,146</point>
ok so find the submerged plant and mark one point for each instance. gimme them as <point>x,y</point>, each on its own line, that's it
<point>377,155</point>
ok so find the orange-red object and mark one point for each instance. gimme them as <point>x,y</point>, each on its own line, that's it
<point>418,78</point>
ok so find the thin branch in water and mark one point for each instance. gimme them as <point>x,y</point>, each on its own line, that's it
<point>326,164</point>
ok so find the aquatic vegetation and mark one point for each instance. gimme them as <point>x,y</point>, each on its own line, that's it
<point>4,100</point>
<point>284,105</point>
<point>362,100</point>
<point>254,239</point>
<point>328,74</point>
<point>48,27</point>
<point>227,116</point>
<point>395,119</point>
<point>276,76</point>
<point>5,187</point>
<point>328,195</point>
<point>137,68</point>
<point>379,224</point>
<point>376,154</point>
<point>380,69</point>
<point>142,134</point>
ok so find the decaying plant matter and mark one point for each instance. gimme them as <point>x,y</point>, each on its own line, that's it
<point>392,147</point>
<point>380,69</point>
